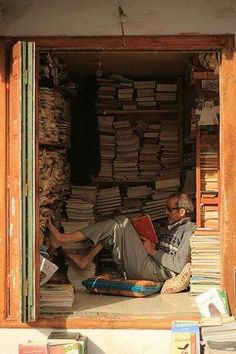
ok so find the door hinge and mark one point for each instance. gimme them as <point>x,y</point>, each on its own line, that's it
<point>26,73</point>
<point>26,189</point>
<point>26,287</point>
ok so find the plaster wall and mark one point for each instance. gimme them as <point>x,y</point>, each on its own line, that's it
<point>99,341</point>
<point>100,17</point>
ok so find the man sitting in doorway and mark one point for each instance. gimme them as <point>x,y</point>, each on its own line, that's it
<point>136,258</point>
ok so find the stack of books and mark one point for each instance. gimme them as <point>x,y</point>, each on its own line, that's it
<point>80,210</point>
<point>219,338</point>
<point>107,95</point>
<point>166,95</point>
<point>62,116</point>
<point>125,164</point>
<point>54,118</point>
<point>56,297</point>
<point>167,183</point>
<point>205,261</point>
<point>145,94</point>
<point>169,141</point>
<point>126,97</point>
<point>107,146</point>
<point>54,176</point>
<point>67,342</point>
<point>149,158</point>
<point>81,204</point>
<point>48,127</point>
<point>108,201</point>
<point>134,199</point>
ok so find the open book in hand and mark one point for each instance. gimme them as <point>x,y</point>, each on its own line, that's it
<point>144,227</point>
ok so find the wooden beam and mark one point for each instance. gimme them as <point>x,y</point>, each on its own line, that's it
<point>228,172</point>
<point>182,42</point>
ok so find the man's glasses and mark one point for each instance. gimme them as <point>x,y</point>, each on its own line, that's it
<point>169,209</point>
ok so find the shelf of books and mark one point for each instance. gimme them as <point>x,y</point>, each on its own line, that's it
<point>140,130</point>
<point>205,242</point>
<point>55,91</point>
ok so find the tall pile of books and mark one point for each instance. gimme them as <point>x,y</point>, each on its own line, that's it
<point>134,199</point>
<point>209,162</point>
<point>149,157</point>
<point>125,163</point>
<point>166,95</point>
<point>80,208</point>
<point>62,116</point>
<point>167,183</point>
<point>169,141</point>
<point>145,94</point>
<point>205,261</point>
<point>108,201</point>
<point>54,185</point>
<point>219,338</point>
<point>106,95</point>
<point>126,96</point>
<point>48,128</point>
<point>54,118</point>
<point>56,297</point>
<point>107,146</point>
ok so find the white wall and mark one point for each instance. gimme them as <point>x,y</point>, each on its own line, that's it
<point>100,341</point>
<point>100,17</point>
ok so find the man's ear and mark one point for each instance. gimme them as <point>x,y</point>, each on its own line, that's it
<point>182,212</point>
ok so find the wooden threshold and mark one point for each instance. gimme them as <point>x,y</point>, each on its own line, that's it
<point>100,321</point>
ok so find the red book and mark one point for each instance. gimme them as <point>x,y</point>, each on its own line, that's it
<point>33,348</point>
<point>144,227</point>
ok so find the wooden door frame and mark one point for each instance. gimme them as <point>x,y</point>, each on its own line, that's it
<point>223,43</point>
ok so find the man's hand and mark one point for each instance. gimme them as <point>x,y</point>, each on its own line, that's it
<point>149,246</point>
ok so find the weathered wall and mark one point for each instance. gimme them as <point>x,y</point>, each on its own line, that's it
<point>100,17</point>
<point>100,341</point>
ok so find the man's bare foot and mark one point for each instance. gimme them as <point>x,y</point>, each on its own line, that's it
<point>82,260</point>
<point>78,259</point>
<point>54,236</point>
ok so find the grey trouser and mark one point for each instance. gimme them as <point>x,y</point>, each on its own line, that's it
<point>127,248</point>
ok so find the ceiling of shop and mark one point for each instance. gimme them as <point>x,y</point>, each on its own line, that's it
<point>133,64</point>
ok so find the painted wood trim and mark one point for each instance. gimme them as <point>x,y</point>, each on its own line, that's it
<point>172,43</point>
<point>37,216</point>
<point>101,321</point>
<point>14,181</point>
<point>228,172</point>
<point>105,43</point>
<point>3,182</point>
<point>198,178</point>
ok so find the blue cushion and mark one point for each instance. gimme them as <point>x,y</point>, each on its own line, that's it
<point>109,285</point>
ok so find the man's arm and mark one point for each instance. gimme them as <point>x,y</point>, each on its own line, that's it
<point>176,262</point>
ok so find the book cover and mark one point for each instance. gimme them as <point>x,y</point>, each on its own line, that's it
<point>210,304</point>
<point>185,338</point>
<point>33,348</point>
<point>222,347</point>
<point>47,270</point>
<point>63,335</point>
<point>68,348</point>
<point>144,227</point>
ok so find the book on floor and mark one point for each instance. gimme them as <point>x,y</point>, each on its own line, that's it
<point>33,348</point>
<point>185,338</point>
<point>144,227</point>
<point>212,303</point>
